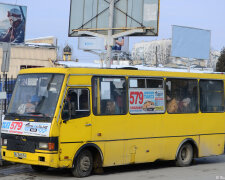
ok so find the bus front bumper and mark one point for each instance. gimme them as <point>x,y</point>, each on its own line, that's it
<point>42,158</point>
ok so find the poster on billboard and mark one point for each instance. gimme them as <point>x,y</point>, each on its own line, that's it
<point>96,43</point>
<point>12,23</point>
<point>143,101</point>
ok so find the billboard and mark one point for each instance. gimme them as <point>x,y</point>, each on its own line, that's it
<point>95,43</point>
<point>190,42</point>
<point>12,23</point>
<point>93,15</point>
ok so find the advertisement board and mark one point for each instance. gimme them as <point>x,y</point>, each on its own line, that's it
<point>12,23</point>
<point>25,128</point>
<point>146,101</point>
<point>190,42</point>
<point>95,43</point>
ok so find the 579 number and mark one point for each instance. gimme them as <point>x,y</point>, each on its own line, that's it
<point>136,96</point>
<point>16,125</point>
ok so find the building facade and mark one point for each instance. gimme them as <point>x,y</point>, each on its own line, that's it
<point>156,53</point>
<point>28,56</point>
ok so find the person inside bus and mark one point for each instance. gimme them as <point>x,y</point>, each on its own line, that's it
<point>111,108</point>
<point>30,106</point>
<point>184,105</point>
<point>83,100</point>
<point>72,99</point>
<point>70,106</point>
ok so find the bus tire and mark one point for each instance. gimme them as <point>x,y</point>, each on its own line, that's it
<point>83,164</point>
<point>185,155</point>
<point>39,168</point>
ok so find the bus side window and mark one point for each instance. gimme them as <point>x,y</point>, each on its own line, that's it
<point>77,103</point>
<point>182,96</point>
<point>109,96</point>
<point>211,96</point>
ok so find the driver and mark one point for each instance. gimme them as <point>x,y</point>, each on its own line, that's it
<point>30,106</point>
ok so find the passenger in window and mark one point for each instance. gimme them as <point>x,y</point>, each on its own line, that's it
<point>111,108</point>
<point>172,106</point>
<point>184,106</point>
<point>71,102</point>
<point>83,101</point>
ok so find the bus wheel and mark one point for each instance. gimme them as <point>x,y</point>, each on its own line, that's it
<point>39,168</point>
<point>185,155</point>
<point>83,164</point>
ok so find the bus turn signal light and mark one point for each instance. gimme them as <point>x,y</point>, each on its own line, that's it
<point>51,146</point>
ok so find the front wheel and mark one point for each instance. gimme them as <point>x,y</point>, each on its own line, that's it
<point>83,164</point>
<point>185,155</point>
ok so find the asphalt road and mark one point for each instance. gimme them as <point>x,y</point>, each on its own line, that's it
<point>211,168</point>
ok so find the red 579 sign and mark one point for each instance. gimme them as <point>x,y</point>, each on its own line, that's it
<point>136,97</point>
<point>16,126</point>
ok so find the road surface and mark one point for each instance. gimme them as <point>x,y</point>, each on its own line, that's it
<point>211,168</point>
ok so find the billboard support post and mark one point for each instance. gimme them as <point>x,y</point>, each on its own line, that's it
<point>110,39</point>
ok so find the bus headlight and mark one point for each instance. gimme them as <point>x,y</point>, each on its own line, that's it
<point>4,142</point>
<point>49,146</point>
<point>43,145</point>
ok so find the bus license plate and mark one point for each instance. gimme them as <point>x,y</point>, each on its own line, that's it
<point>20,155</point>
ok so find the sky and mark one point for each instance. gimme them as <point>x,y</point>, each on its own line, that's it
<point>51,18</point>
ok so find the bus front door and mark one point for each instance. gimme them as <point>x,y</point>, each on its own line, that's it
<point>76,123</point>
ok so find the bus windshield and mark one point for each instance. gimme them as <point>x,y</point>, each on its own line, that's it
<point>35,95</point>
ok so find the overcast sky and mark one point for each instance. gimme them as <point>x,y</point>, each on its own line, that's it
<point>51,18</point>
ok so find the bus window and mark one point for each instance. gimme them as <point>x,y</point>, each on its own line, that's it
<point>182,95</point>
<point>109,96</point>
<point>211,96</point>
<point>76,104</point>
<point>146,95</point>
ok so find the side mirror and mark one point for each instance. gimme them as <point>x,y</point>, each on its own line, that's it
<point>66,112</point>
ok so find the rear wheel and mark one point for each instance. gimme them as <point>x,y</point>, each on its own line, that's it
<point>83,164</point>
<point>185,155</point>
<point>39,168</point>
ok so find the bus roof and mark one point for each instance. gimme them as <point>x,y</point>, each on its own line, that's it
<point>122,72</point>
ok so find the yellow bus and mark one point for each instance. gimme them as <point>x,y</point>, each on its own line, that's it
<point>87,118</point>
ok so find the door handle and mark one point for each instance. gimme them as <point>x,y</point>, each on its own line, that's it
<point>88,124</point>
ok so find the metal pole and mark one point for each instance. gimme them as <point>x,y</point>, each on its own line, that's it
<point>156,56</point>
<point>109,39</point>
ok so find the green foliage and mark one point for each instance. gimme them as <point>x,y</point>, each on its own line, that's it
<point>220,65</point>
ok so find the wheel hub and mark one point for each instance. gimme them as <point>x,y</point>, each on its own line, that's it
<point>85,164</point>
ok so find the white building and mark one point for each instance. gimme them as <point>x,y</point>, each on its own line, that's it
<point>157,52</point>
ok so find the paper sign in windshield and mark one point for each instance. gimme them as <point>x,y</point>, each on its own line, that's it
<point>146,101</point>
<point>26,128</point>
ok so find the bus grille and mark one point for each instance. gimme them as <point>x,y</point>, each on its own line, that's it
<point>20,145</point>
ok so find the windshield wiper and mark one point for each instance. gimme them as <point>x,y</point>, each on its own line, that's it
<point>13,114</point>
<point>37,113</point>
